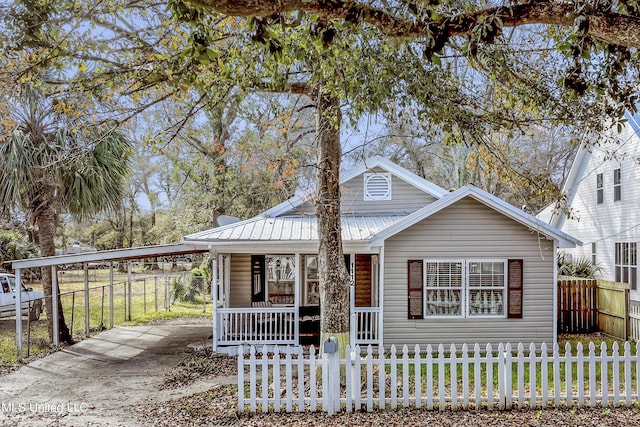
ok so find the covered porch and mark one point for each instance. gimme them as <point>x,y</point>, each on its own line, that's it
<point>273,299</point>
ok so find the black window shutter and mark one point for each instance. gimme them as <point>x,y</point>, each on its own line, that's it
<point>258,293</point>
<point>514,289</point>
<point>415,289</point>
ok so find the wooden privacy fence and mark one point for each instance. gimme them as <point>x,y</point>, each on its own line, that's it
<point>590,305</point>
<point>613,309</point>
<point>466,378</point>
<point>577,305</point>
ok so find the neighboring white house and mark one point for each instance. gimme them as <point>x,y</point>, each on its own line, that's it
<point>603,193</point>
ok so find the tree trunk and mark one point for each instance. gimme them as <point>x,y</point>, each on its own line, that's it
<point>332,271</point>
<point>45,220</point>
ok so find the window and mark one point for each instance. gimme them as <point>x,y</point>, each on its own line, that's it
<point>281,275</point>
<point>465,288</point>
<point>311,295</point>
<point>273,279</point>
<point>626,263</point>
<point>600,188</point>
<point>486,288</point>
<point>594,259</point>
<point>444,286</point>
<point>5,285</point>
<point>617,185</point>
<point>377,186</point>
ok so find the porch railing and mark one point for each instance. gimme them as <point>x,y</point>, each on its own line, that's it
<point>366,325</point>
<point>256,325</point>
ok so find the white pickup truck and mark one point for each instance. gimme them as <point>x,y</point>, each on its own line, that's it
<point>31,300</point>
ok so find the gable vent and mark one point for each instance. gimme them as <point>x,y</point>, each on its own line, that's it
<point>377,186</point>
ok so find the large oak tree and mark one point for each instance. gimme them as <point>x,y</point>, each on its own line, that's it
<point>365,55</point>
<point>350,58</point>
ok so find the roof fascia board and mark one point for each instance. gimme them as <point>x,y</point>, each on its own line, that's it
<point>110,255</point>
<point>501,206</point>
<point>254,247</point>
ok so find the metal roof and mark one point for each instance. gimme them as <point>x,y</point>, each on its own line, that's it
<point>293,228</point>
<point>110,255</point>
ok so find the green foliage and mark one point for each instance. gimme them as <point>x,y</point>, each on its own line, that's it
<point>14,245</point>
<point>179,288</point>
<point>581,267</point>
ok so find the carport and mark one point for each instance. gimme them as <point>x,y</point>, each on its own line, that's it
<point>85,258</point>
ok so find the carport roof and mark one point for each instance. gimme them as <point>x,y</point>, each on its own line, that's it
<point>111,255</point>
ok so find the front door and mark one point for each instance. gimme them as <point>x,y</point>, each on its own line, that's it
<point>363,280</point>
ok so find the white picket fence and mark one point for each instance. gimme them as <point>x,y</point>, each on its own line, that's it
<point>292,380</point>
<point>634,322</point>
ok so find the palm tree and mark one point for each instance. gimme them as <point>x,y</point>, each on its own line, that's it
<point>52,165</point>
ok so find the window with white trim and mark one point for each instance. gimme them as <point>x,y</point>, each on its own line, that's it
<point>626,263</point>
<point>617,185</point>
<point>377,186</point>
<point>465,288</point>
<point>444,287</point>
<point>599,188</point>
<point>486,283</point>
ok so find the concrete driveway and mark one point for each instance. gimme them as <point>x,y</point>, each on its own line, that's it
<point>102,380</point>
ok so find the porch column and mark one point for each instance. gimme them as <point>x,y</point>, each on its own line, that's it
<point>353,323</point>
<point>214,297</point>
<point>18,314</point>
<point>381,298</point>
<point>555,293</point>
<point>297,286</point>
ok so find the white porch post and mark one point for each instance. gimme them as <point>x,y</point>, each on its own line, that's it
<point>555,293</point>
<point>18,314</point>
<point>381,298</point>
<point>214,297</point>
<point>296,298</point>
<point>352,300</point>
<point>54,305</point>
<point>226,279</point>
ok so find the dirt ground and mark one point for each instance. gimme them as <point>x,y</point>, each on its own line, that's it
<point>148,376</point>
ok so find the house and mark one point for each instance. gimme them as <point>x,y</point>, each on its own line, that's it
<point>428,266</point>
<point>603,192</point>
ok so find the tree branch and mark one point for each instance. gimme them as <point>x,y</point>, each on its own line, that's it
<point>612,28</point>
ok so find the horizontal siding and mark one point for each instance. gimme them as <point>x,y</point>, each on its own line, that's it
<point>240,292</point>
<point>405,197</point>
<point>466,230</point>
<point>609,222</point>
